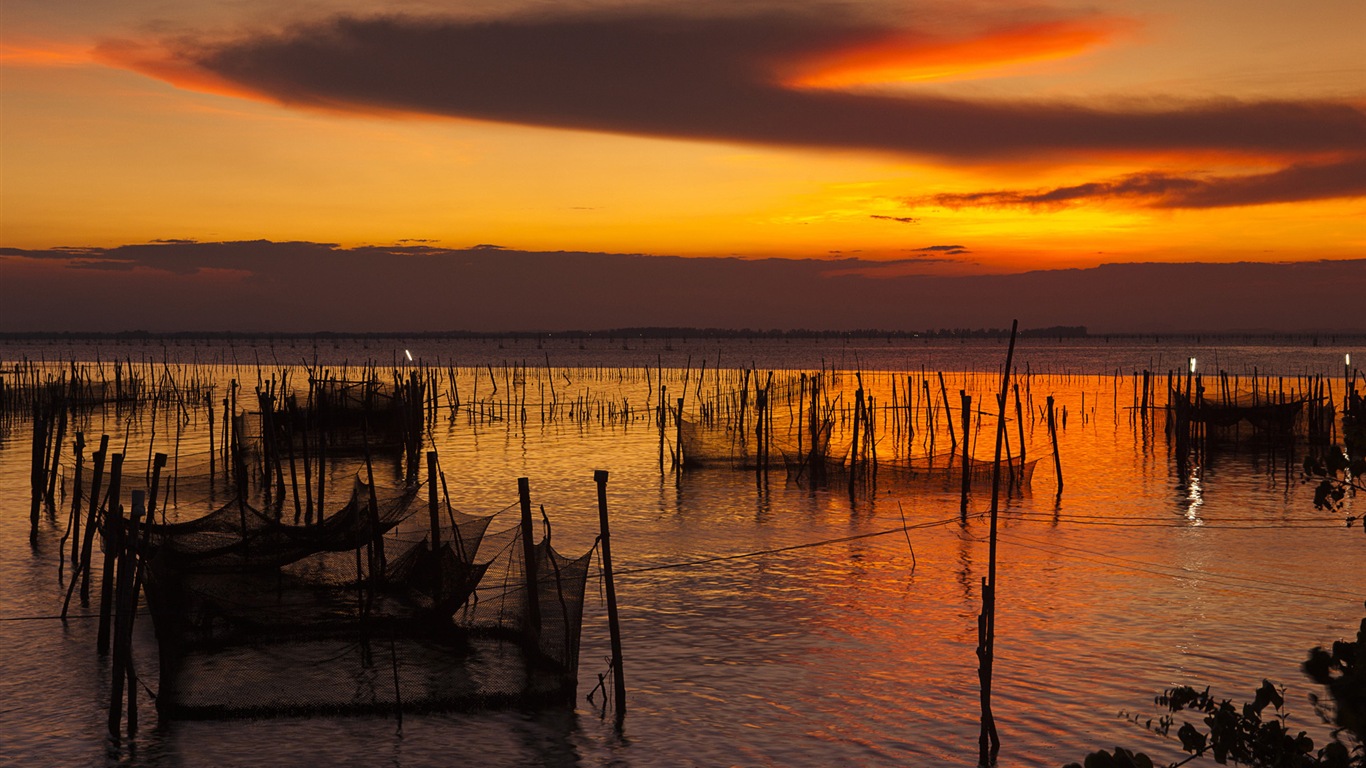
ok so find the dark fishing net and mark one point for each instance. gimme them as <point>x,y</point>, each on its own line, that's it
<point>721,446</point>
<point>358,613</point>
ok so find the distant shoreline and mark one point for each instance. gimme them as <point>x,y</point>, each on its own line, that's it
<point>1059,333</point>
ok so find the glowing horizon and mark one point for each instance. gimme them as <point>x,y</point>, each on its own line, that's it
<point>1028,136</point>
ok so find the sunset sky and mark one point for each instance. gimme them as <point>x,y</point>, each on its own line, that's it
<point>951,139</point>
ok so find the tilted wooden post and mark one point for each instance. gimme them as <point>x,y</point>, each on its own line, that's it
<point>88,540</point>
<point>112,544</point>
<point>533,601</point>
<point>434,514</point>
<point>613,623</point>
<point>989,742</point>
<point>1053,434</point>
<point>126,605</point>
<point>948,411</point>
<point>967,469</point>
<point>76,505</point>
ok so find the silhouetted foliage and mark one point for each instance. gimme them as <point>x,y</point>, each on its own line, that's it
<point>1255,734</point>
<point>1120,758</point>
<point>1338,476</point>
<point>1342,670</point>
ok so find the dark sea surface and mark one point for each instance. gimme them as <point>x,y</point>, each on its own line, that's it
<point>859,650</point>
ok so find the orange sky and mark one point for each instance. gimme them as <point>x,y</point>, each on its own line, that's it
<point>769,131</point>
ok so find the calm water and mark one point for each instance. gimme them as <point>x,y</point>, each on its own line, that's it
<point>859,652</point>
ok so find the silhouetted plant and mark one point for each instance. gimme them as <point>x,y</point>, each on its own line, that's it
<point>1338,476</point>
<point>1342,670</point>
<point>1251,735</point>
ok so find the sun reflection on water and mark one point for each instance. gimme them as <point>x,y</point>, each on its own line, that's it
<point>1195,495</point>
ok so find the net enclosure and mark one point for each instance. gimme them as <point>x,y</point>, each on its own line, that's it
<point>371,608</point>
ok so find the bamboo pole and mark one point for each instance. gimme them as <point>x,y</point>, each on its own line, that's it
<point>112,545</point>
<point>678,435</point>
<point>88,540</point>
<point>434,515</point>
<point>613,622</point>
<point>532,634</point>
<point>122,657</point>
<point>35,477</point>
<point>1053,435</point>
<point>79,449</point>
<point>966,400</point>
<point>989,742</point>
<point>944,393</point>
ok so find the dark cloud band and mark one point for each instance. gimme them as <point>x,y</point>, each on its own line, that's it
<point>302,286</point>
<point>715,79</point>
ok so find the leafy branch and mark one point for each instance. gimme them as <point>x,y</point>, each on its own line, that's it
<point>1255,734</point>
<point>1338,477</point>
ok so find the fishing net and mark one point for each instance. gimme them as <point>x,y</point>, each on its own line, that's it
<point>940,470</point>
<point>718,446</point>
<point>359,612</point>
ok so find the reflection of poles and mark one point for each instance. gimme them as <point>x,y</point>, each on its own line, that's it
<point>613,623</point>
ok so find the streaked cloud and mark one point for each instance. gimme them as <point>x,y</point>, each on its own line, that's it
<point>952,250</point>
<point>723,78</point>
<point>44,53</point>
<point>917,56</point>
<point>1296,183</point>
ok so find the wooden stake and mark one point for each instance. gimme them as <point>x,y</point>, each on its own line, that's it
<point>613,622</point>
<point>967,468</point>
<point>122,637</point>
<point>944,393</point>
<point>1053,435</point>
<point>112,544</point>
<point>434,514</point>
<point>88,541</point>
<point>76,505</point>
<point>678,435</point>
<point>532,635</point>
<point>989,742</point>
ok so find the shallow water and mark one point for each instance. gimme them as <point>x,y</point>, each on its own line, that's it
<point>859,652</point>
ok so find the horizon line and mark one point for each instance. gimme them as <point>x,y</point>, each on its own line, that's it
<point>685,332</point>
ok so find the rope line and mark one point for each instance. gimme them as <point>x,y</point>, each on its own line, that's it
<point>790,548</point>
